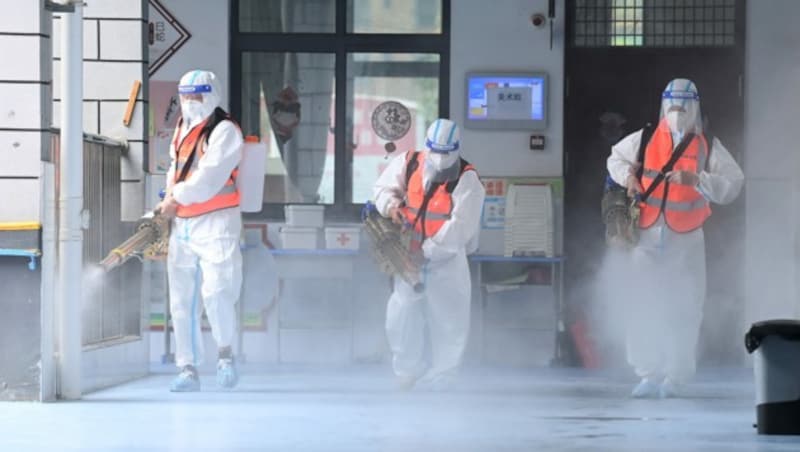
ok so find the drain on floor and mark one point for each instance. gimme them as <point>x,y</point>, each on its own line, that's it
<point>598,436</point>
<point>603,418</point>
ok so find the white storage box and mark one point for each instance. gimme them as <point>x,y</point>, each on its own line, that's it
<point>342,237</point>
<point>297,237</point>
<point>305,215</point>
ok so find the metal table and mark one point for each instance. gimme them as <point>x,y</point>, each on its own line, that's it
<point>168,356</point>
<point>556,264</point>
<point>293,263</point>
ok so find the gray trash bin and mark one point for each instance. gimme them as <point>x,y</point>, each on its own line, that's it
<point>775,345</point>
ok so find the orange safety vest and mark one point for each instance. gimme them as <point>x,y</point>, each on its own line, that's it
<point>428,221</point>
<point>227,197</point>
<point>684,208</point>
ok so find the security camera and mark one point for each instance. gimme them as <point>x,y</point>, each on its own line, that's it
<point>538,20</point>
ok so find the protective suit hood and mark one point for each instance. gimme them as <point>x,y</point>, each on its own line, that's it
<point>205,84</point>
<point>680,106</point>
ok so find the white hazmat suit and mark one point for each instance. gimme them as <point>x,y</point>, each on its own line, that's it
<point>445,303</point>
<point>204,261</point>
<point>668,287</point>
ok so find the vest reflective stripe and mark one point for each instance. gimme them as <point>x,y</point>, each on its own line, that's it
<point>652,201</point>
<point>430,215</point>
<point>687,206</point>
<point>673,205</point>
<point>226,197</point>
<point>683,207</point>
<point>439,208</point>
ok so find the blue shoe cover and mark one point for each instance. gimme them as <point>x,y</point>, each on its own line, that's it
<point>227,376</point>
<point>186,381</point>
<point>668,390</point>
<point>645,389</point>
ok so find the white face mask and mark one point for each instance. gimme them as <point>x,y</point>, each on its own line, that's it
<point>678,121</point>
<point>192,111</point>
<point>439,161</point>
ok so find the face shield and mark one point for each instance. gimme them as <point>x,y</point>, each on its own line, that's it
<point>199,95</point>
<point>680,107</point>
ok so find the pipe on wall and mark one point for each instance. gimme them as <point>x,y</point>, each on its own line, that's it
<point>70,205</point>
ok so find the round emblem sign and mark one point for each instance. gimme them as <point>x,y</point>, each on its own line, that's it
<point>391,120</point>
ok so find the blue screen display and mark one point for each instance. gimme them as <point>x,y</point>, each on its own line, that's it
<point>506,97</point>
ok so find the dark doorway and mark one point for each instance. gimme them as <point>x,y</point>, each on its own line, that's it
<point>615,82</point>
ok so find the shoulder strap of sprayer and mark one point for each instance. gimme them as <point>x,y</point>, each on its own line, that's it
<point>411,165</point>
<point>647,133</point>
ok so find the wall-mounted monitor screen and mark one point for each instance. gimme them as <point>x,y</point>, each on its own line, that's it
<point>506,100</point>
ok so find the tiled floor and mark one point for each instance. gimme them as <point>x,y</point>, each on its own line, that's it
<point>357,409</point>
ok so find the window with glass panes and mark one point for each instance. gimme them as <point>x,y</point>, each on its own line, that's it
<point>306,76</point>
<point>653,23</point>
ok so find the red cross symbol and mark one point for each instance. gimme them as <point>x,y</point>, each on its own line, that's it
<point>343,239</point>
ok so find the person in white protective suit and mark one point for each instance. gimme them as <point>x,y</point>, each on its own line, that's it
<point>440,196</point>
<point>204,262</point>
<point>668,279</point>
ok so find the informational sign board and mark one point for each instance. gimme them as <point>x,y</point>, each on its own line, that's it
<point>494,204</point>
<point>164,109</point>
<point>165,35</point>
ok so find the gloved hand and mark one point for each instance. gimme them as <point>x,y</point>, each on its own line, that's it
<point>396,215</point>
<point>689,178</point>
<point>168,207</point>
<point>634,186</point>
<point>632,182</point>
<point>435,254</point>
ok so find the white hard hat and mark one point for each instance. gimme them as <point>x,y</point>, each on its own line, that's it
<point>443,136</point>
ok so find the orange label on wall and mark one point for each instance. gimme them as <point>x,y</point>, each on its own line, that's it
<point>495,187</point>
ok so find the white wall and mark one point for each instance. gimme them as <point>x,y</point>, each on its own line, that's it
<point>24,106</point>
<point>498,36</point>
<point>772,160</point>
<point>207,48</point>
